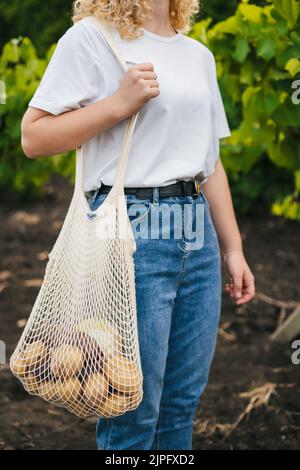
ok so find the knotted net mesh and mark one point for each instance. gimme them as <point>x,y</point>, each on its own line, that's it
<point>80,348</point>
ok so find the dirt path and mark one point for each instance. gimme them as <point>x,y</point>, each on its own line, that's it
<point>245,357</point>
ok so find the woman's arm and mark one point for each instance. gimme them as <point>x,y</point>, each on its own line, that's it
<point>45,134</point>
<point>217,191</point>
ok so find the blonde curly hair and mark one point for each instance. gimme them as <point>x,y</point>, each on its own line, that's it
<point>128,15</point>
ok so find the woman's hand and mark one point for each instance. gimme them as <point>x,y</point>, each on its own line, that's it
<point>241,287</point>
<point>137,86</point>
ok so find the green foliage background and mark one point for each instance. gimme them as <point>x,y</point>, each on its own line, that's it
<point>43,21</point>
<point>257,49</point>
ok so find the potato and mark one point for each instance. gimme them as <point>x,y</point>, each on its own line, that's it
<point>69,390</point>
<point>66,361</point>
<point>80,409</point>
<point>122,374</point>
<point>59,336</point>
<point>18,365</point>
<point>95,389</point>
<point>34,352</point>
<point>114,405</point>
<point>30,383</point>
<point>48,390</point>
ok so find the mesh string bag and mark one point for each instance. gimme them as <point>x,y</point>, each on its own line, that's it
<point>79,349</point>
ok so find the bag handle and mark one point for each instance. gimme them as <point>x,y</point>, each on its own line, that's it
<point>118,185</point>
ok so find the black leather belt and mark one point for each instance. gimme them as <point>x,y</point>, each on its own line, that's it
<point>181,188</point>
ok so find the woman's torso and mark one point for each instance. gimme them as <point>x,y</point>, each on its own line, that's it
<point>174,131</point>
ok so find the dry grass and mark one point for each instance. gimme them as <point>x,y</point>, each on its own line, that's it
<point>258,397</point>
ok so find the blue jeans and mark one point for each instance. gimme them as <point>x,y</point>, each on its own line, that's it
<point>178,292</point>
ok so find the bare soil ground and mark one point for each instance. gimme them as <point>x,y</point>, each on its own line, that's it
<point>245,357</point>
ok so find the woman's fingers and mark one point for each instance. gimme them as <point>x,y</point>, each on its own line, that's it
<point>236,285</point>
<point>248,288</point>
<point>152,84</point>
<point>241,288</point>
<point>148,75</point>
<point>241,280</point>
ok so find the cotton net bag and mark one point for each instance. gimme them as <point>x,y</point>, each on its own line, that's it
<point>79,349</point>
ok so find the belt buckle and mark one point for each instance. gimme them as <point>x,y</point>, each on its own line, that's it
<point>197,187</point>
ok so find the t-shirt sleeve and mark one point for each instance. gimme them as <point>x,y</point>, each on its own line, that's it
<point>73,77</point>
<point>219,123</point>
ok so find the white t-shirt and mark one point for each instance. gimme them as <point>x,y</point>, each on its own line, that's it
<point>177,133</point>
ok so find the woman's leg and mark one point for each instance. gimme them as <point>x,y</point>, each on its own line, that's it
<point>193,332</point>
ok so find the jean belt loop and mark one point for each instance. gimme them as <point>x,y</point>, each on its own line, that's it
<point>155,196</point>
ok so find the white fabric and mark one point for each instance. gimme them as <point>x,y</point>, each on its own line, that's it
<point>177,133</point>
<point>80,348</point>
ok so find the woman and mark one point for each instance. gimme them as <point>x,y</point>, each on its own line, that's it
<point>84,97</point>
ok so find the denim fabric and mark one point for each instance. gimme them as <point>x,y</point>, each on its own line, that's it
<point>178,292</point>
